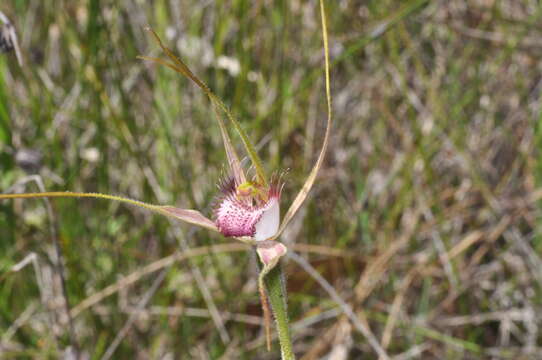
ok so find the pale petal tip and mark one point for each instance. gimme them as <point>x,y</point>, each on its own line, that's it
<point>268,224</point>
<point>271,252</point>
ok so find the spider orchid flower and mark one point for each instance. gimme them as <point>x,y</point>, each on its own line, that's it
<point>251,212</point>
<point>248,211</point>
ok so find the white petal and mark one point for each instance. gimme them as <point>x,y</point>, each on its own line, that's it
<point>268,224</point>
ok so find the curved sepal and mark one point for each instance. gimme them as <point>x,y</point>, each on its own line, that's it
<point>190,216</point>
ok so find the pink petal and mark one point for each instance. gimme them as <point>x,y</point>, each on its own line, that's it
<point>270,252</point>
<point>234,217</point>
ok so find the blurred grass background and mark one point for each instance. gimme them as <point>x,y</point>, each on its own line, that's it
<point>426,212</point>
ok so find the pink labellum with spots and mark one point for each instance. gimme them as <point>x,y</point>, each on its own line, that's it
<point>239,214</point>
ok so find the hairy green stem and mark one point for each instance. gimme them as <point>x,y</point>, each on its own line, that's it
<point>276,290</point>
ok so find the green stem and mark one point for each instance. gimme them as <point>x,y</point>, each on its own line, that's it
<point>276,290</point>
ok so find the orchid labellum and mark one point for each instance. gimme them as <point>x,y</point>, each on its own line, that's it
<point>248,210</point>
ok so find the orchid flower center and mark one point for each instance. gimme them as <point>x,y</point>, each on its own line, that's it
<point>248,209</point>
<point>250,190</point>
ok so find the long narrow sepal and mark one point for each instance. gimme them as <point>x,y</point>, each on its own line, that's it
<point>302,195</point>
<point>233,159</point>
<point>193,217</point>
<point>179,66</point>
